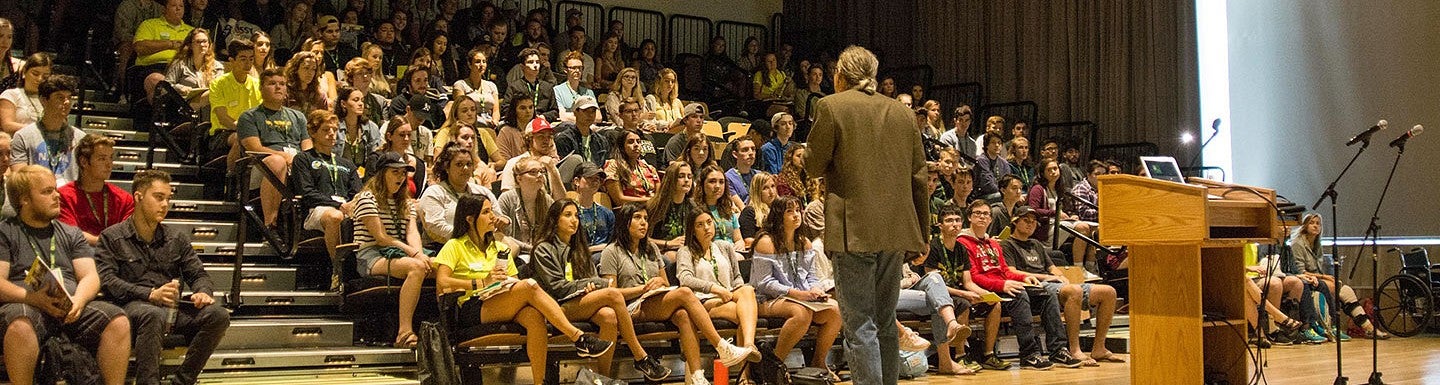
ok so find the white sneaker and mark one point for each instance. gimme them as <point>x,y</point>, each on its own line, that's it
<point>911,341</point>
<point>697,378</point>
<point>731,355</point>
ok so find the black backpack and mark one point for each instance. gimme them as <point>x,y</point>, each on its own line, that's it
<point>771,370</point>
<point>69,361</point>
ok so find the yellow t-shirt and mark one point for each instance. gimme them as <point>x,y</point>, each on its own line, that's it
<point>236,97</point>
<point>467,261</point>
<point>158,29</point>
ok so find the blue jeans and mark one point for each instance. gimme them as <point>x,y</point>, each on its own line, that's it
<point>926,298</point>
<point>1021,313</point>
<point>867,286</point>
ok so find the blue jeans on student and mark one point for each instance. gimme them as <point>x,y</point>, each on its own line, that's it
<point>867,286</point>
<point>926,298</point>
<point>1021,313</point>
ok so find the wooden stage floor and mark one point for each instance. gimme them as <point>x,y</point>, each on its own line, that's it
<point>1414,360</point>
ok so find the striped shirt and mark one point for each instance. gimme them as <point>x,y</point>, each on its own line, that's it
<point>394,223</point>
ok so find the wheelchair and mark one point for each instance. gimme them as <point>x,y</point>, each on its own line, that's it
<point>1405,302</point>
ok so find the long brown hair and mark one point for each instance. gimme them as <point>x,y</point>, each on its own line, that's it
<point>206,65</point>
<point>623,161</point>
<point>723,206</point>
<point>664,198</point>
<point>579,258</point>
<point>774,225</point>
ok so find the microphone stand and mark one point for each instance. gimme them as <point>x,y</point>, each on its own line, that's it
<point>1337,261</point>
<point>1201,151</point>
<point>1372,233</point>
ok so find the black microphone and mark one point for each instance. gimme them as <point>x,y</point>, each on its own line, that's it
<point>1365,135</point>
<point>1400,142</point>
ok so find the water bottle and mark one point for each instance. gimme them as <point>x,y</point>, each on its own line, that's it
<point>722,373</point>
<point>171,312</point>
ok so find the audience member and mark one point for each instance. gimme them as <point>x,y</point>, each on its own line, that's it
<point>814,76</point>
<point>738,178</point>
<point>772,153</point>
<point>473,260</point>
<point>785,284</point>
<point>7,209</point>
<point>947,258</point>
<point>1306,262</point>
<point>308,89</point>
<point>794,180</point>
<point>576,46</point>
<point>564,268</point>
<point>1020,162</point>
<point>647,62</point>
<point>288,35</point>
<point>992,274</point>
<point>763,193</point>
<point>357,133</point>
<point>596,219</point>
<point>537,185</point>
<point>540,144</point>
<point>156,42</point>
<point>750,58</point>
<point>927,295</point>
<point>436,208</point>
<point>325,182</point>
<point>194,68</point>
<point>50,141</point>
<point>359,75</point>
<point>711,267</point>
<point>142,264</point>
<point>567,93</point>
<point>664,99</point>
<point>582,139</point>
<point>635,267</point>
<point>104,204</point>
<point>958,137</point>
<point>398,138</point>
<point>629,178</point>
<point>510,138</point>
<point>697,151</point>
<point>627,86</point>
<point>1031,258</point>
<point>906,100</point>
<point>669,205</point>
<point>128,16</point>
<point>989,167</point>
<point>231,94</point>
<point>1012,195</point>
<point>389,238</point>
<point>540,92</point>
<point>608,63</point>
<point>276,130</point>
<point>477,87</point>
<point>22,106</point>
<point>264,58</point>
<point>31,318</point>
<point>769,82</point>
<point>714,195</point>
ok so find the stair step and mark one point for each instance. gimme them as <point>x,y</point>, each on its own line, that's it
<point>291,333</point>
<point>256,278</point>
<point>182,190</point>
<point>285,299</point>
<point>204,207</point>
<point>250,359</point>
<point>345,377</point>
<point>93,122</point>
<point>227,249</point>
<point>175,169</point>
<point>140,154</point>
<point>204,231</point>
<point>107,108</point>
<point>122,136</point>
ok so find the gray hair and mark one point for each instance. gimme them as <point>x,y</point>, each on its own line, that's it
<point>858,66</point>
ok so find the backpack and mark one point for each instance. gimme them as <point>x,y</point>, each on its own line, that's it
<point>771,370</point>
<point>913,364</point>
<point>434,359</point>
<point>69,361</point>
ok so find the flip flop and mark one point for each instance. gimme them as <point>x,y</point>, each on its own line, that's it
<point>1111,358</point>
<point>957,330</point>
<point>408,340</point>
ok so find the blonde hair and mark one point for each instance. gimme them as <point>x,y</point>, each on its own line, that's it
<point>757,183</point>
<point>672,94</point>
<point>858,66</point>
<point>21,181</point>
<point>637,92</point>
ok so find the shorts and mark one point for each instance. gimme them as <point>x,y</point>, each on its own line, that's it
<point>367,257</point>
<point>84,331</point>
<point>469,312</point>
<point>1065,235</point>
<point>313,221</point>
<point>1054,289</point>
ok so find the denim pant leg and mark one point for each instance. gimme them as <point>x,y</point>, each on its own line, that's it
<point>1056,337</point>
<point>147,323</point>
<point>207,325</point>
<point>936,296</point>
<point>867,288</point>
<point>1021,320</point>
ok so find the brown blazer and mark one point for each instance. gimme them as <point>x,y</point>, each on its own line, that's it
<point>868,149</point>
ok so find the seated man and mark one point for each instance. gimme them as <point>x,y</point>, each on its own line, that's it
<point>539,143</point>
<point>690,124</point>
<point>142,264</point>
<point>230,95</point>
<point>992,274</point>
<point>325,184</point>
<point>91,203</point>
<point>275,130</point>
<point>772,153</point>
<point>948,259</point>
<point>582,139</point>
<point>569,92</point>
<point>49,142</point>
<point>532,86</point>
<point>31,316</point>
<point>156,43</point>
<point>1029,257</point>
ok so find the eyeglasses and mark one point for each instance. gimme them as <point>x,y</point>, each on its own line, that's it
<point>531,172</point>
<point>982,214</point>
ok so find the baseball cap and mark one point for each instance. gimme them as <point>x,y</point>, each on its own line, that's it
<point>420,103</point>
<point>539,125</point>
<point>695,108</point>
<point>327,19</point>
<point>1021,211</point>
<point>775,119</point>
<point>584,102</point>
<point>391,159</point>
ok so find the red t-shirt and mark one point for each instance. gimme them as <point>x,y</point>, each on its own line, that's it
<point>93,212</point>
<point>987,263</point>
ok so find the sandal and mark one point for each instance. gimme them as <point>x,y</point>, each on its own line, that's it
<point>407,340</point>
<point>1290,324</point>
<point>956,330</point>
<point>1111,358</point>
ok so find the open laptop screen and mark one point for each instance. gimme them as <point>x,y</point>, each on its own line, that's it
<point>1162,167</point>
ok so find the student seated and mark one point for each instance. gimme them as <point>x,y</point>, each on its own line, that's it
<point>763,192</point>
<point>325,183</point>
<point>231,94</point>
<point>525,205</point>
<point>783,274</point>
<point>390,240</point>
<point>91,203</point>
<point>636,268</point>
<point>597,219</point>
<point>50,140</point>
<point>668,208</point>
<point>629,178</point>
<point>453,170</point>
<point>142,264</point>
<point>992,274</point>
<point>473,261</point>
<point>276,130</point>
<point>1029,257</point>
<point>947,259</point>
<point>22,106</point>
<point>714,196</point>
<point>563,267</point>
<point>31,317</point>
<point>1306,263</point>
<point>711,267</point>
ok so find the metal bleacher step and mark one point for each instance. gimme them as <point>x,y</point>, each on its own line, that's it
<point>181,190</point>
<point>122,137</point>
<point>282,299</point>
<point>227,249</point>
<point>347,376</point>
<point>104,108</point>
<point>252,277</point>
<point>345,357</point>
<point>290,333</point>
<point>178,172</point>
<point>204,231</point>
<point>140,154</point>
<point>205,207</point>
<point>93,122</point>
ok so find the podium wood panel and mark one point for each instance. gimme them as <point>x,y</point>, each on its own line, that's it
<point>1165,315</point>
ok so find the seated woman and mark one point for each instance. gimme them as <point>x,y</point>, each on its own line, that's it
<point>712,266</point>
<point>525,204</point>
<point>1306,264</point>
<point>629,179</point>
<point>398,137</point>
<point>463,112</point>
<point>452,171</point>
<point>697,151</point>
<point>664,99</point>
<point>715,197</point>
<point>389,239</point>
<point>792,179</point>
<point>305,87</point>
<point>474,260</point>
<point>627,86</point>
<point>193,68</point>
<point>635,267</point>
<point>22,106</point>
<point>563,267</point>
<point>783,277</point>
<point>668,208</point>
<point>358,134</point>
<point>510,138</point>
<point>1043,198</point>
<point>762,193</point>
<point>478,88</point>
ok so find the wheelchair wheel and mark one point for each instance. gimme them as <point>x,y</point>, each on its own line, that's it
<point>1404,305</point>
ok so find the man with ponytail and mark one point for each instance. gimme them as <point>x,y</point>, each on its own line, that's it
<point>876,208</point>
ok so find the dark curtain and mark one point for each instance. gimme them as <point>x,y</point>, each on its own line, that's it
<point>1128,66</point>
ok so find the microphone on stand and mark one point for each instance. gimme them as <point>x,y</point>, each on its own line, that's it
<point>1364,136</point>
<point>1214,131</point>
<point>1400,142</point>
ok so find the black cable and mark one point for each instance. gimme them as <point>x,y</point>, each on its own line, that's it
<point>1260,361</point>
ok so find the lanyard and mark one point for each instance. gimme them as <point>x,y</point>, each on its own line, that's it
<point>793,268</point>
<point>104,203</point>
<point>715,267</point>
<point>645,273</point>
<point>534,93</point>
<point>334,166</point>
<point>38,253</point>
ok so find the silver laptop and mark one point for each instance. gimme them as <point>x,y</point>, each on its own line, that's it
<point>1163,168</point>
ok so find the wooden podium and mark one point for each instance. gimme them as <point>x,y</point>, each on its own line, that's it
<point>1186,270</point>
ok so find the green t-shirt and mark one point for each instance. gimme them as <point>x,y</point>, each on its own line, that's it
<point>159,29</point>
<point>277,130</point>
